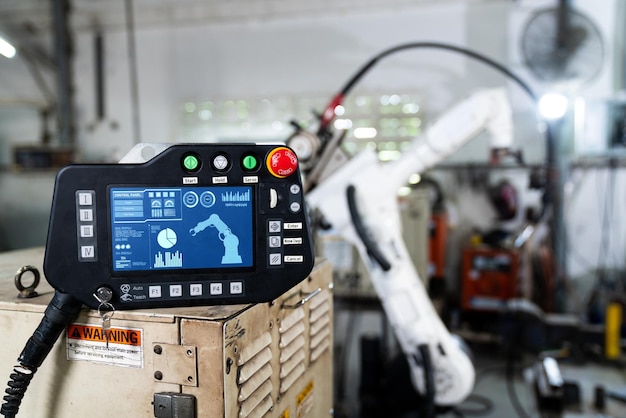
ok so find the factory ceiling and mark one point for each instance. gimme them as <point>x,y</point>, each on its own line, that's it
<point>30,16</point>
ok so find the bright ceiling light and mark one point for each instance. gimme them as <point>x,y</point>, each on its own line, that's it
<point>365,133</point>
<point>342,124</point>
<point>6,49</point>
<point>553,106</point>
<point>404,191</point>
<point>387,155</point>
<point>415,178</point>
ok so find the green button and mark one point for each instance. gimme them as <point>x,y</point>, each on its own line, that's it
<point>191,162</point>
<point>250,162</point>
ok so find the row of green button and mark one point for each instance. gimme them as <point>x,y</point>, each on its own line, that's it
<point>191,162</point>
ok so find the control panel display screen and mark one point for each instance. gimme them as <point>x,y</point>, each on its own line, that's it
<point>169,228</point>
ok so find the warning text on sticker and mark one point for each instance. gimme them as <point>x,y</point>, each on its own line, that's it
<point>94,333</point>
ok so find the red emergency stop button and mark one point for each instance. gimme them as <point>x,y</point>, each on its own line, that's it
<point>282,162</point>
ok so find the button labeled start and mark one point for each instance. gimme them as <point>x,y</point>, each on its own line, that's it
<point>281,162</point>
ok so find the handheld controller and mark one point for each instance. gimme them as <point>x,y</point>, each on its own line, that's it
<point>199,224</point>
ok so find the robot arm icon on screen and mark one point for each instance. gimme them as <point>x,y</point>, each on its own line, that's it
<point>230,240</point>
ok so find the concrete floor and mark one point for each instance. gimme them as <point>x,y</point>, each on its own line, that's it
<point>491,386</point>
<point>491,393</point>
<point>492,398</point>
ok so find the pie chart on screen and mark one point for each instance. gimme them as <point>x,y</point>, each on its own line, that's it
<point>167,238</point>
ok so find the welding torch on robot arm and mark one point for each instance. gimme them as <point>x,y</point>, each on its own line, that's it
<point>359,200</point>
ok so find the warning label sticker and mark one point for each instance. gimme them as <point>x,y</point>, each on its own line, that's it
<point>89,343</point>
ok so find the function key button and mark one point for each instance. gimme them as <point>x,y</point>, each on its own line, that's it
<point>294,189</point>
<point>154,291</point>
<point>195,289</point>
<point>215,288</point>
<point>176,290</point>
<point>236,288</point>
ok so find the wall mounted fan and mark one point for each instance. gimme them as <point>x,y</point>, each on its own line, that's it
<point>562,44</point>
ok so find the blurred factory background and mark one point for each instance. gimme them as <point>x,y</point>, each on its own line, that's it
<point>90,79</point>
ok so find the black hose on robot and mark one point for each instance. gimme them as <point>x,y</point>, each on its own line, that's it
<point>437,45</point>
<point>361,229</point>
<point>329,112</point>
<point>428,409</point>
<point>62,310</point>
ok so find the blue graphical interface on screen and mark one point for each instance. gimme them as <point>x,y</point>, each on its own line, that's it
<point>181,228</point>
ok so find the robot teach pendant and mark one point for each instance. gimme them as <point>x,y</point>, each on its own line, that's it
<point>198,224</point>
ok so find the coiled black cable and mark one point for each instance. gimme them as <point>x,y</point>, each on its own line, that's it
<point>20,379</point>
<point>62,310</point>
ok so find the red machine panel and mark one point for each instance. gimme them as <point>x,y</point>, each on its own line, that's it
<point>489,278</point>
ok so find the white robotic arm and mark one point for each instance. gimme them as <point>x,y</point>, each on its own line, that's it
<point>360,201</point>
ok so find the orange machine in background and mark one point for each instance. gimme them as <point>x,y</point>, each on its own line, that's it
<point>490,277</point>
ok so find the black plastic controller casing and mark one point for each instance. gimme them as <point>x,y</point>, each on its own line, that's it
<point>82,265</point>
